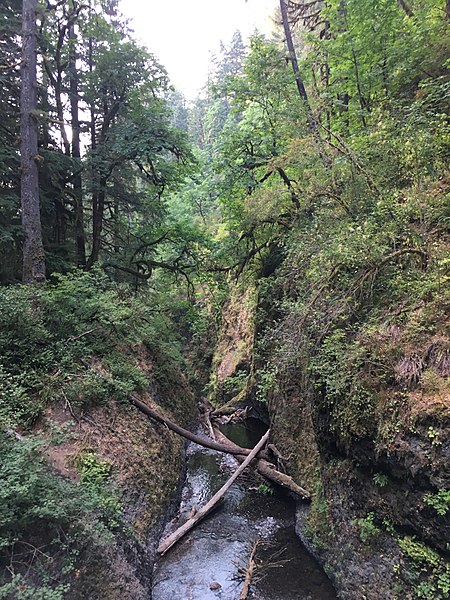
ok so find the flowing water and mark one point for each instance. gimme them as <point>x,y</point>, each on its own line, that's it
<point>205,564</point>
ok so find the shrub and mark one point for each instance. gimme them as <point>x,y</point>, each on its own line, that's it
<point>68,340</point>
<point>45,521</point>
<point>367,528</point>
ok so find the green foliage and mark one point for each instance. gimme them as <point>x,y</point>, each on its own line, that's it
<point>234,384</point>
<point>426,570</point>
<point>46,520</point>
<point>433,435</point>
<point>94,476</point>
<point>266,489</point>
<point>347,230</point>
<point>368,530</point>
<point>319,527</point>
<point>440,501</point>
<point>380,479</point>
<point>135,155</point>
<point>10,230</point>
<point>388,526</point>
<point>20,588</point>
<point>93,471</point>
<point>15,405</point>
<point>337,372</point>
<point>61,341</point>
<point>30,494</point>
<point>266,383</point>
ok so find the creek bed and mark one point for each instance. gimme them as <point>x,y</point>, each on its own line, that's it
<point>213,551</point>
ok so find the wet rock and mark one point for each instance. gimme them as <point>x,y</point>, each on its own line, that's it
<point>215,586</point>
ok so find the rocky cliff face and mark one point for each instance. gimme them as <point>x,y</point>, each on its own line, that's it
<point>145,462</point>
<point>364,424</point>
<point>133,466</point>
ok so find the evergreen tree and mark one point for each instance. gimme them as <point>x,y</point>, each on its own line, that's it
<point>33,249</point>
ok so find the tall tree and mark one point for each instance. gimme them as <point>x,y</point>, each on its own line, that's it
<point>294,62</point>
<point>33,249</point>
<point>10,227</point>
<point>80,238</point>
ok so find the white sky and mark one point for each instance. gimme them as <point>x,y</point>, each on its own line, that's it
<point>181,33</point>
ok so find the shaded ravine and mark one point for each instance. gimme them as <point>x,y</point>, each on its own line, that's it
<point>212,553</point>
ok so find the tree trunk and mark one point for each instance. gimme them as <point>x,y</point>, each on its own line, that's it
<point>173,538</point>
<point>408,10</point>
<point>33,248</point>
<point>80,238</point>
<point>293,58</point>
<point>98,209</point>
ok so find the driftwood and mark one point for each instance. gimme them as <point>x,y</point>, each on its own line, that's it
<point>249,573</point>
<point>206,442</point>
<point>169,541</point>
<point>265,468</point>
<point>223,444</point>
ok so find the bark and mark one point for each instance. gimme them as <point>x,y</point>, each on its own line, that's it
<point>249,573</point>
<point>173,538</point>
<point>408,10</point>
<point>33,248</point>
<point>80,237</point>
<point>294,62</point>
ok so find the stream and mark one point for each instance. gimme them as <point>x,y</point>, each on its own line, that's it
<point>204,565</point>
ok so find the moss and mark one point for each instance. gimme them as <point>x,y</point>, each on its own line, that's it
<point>319,527</point>
<point>423,570</point>
<point>232,360</point>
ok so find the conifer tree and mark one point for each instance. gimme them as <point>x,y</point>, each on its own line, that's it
<point>33,249</point>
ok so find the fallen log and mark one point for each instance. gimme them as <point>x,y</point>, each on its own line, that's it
<point>265,468</point>
<point>169,541</point>
<point>249,573</point>
<point>223,444</point>
<point>206,442</point>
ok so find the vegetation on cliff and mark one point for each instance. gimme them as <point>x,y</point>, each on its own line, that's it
<point>320,216</point>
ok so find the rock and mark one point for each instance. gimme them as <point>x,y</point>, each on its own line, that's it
<point>214,586</point>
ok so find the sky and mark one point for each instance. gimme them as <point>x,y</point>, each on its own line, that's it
<point>183,33</point>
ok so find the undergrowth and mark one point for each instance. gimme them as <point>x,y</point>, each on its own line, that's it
<point>80,341</point>
<point>45,522</point>
<point>66,341</point>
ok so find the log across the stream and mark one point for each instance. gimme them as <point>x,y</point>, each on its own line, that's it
<point>169,541</point>
<point>206,442</point>
<point>266,468</point>
<point>263,466</point>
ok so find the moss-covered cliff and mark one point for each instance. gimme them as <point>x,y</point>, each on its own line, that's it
<point>86,480</point>
<point>358,396</point>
